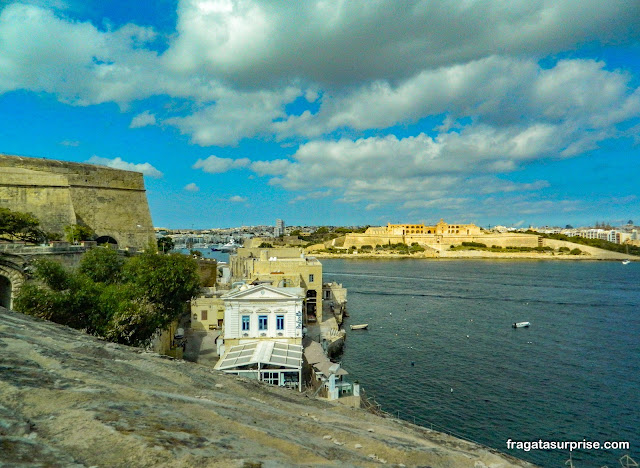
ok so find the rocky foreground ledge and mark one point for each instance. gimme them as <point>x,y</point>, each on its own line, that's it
<point>72,400</point>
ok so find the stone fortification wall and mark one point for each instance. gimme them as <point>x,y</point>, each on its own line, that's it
<point>111,201</point>
<point>435,241</point>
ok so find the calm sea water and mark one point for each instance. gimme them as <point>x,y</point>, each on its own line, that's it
<point>574,374</point>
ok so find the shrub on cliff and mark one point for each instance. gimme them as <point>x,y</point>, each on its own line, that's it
<point>125,301</point>
<point>102,265</point>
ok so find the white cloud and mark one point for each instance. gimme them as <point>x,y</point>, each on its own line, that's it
<point>253,42</point>
<point>192,187</point>
<point>498,91</point>
<point>142,120</point>
<point>237,199</point>
<point>117,163</point>
<point>238,65</point>
<point>216,165</point>
<point>235,115</point>
<point>236,68</point>
<point>70,143</point>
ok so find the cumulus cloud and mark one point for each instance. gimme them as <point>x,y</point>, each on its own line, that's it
<point>237,199</point>
<point>495,90</point>
<point>235,115</point>
<point>192,187</point>
<point>117,163</point>
<point>216,165</point>
<point>253,42</point>
<point>332,78</point>
<point>142,120</point>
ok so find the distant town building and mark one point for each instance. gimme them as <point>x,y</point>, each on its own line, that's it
<point>279,230</point>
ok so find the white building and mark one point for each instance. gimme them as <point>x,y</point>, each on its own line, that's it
<point>263,312</point>
<point>262,334</point>
<point>279,230</point>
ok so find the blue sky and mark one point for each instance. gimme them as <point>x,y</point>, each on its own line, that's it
<point>332,112</point>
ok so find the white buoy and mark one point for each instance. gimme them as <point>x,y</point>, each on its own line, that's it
<point>452,390</point>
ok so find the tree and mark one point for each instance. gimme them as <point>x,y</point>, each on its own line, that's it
<point>102,265</point>
<point>166,281</point>
<point>265,245</point>
<point>19,225</point>
<point>296,232</point>
<point>77,232</point>
<point>195,253</point>
<point>165,244</point>
<point>123,300</point>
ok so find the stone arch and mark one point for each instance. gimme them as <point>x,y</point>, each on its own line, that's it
<point>106,240</point>
<point>11,279</point>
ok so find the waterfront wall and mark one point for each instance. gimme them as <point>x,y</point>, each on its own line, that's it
<point>441,241</point>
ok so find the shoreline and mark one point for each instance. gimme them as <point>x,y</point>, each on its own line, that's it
<point>479,255</point>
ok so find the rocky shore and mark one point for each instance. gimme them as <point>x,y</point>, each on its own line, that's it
<point>72,400</point>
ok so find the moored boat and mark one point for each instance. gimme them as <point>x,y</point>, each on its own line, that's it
<point>521,325</point>
<point>626,262</point>
<point>362,326</point>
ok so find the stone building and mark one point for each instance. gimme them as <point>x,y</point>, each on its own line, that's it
<point>207,312</point>
<point>441,228</point>
<point>262,335</point>
<point>282,267</point>
<point>438,236</point>
<point>112,202</point>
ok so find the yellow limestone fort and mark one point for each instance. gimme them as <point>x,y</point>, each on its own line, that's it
<point>439,236</point>
<point>112,202</point>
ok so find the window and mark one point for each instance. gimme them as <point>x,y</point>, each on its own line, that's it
<point>310,278</point>
<point>327,294</point>
<point>279,322</point>
<point>245,322</point>
<point>203,315</point>
<point>262,322</point>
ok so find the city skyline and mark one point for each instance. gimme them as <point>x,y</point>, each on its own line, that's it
<point>336,113</point>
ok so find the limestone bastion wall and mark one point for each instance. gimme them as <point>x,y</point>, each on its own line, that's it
<point>112,202</point>
<point>500,240</point>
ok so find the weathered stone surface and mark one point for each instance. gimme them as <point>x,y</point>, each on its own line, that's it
<point>112,202</point>
<point>68,399</point>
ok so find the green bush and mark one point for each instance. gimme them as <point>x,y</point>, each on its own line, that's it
<point>127,302</point>
<point>575,252</point>
<point>564,249</point>
<point>474,244</point>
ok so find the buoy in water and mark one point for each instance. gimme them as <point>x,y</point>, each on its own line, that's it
<point>413,363</point>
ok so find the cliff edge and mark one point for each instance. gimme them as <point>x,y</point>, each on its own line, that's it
<point>72,400</point>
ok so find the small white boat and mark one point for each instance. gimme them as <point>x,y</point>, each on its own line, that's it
<point>362,326</point>
<point>626,262</point>
<point>521,325</point>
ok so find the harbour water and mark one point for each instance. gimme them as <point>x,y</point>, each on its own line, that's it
<point>440,349</point>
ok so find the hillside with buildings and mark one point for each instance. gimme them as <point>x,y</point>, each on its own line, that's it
<point>72,400</point>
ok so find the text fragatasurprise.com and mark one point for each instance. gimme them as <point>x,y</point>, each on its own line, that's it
<point>528,445</point>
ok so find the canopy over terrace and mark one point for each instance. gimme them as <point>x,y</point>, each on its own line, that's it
<point>269,361</point>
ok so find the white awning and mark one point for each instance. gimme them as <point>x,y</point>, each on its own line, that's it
<point>284,355</point>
